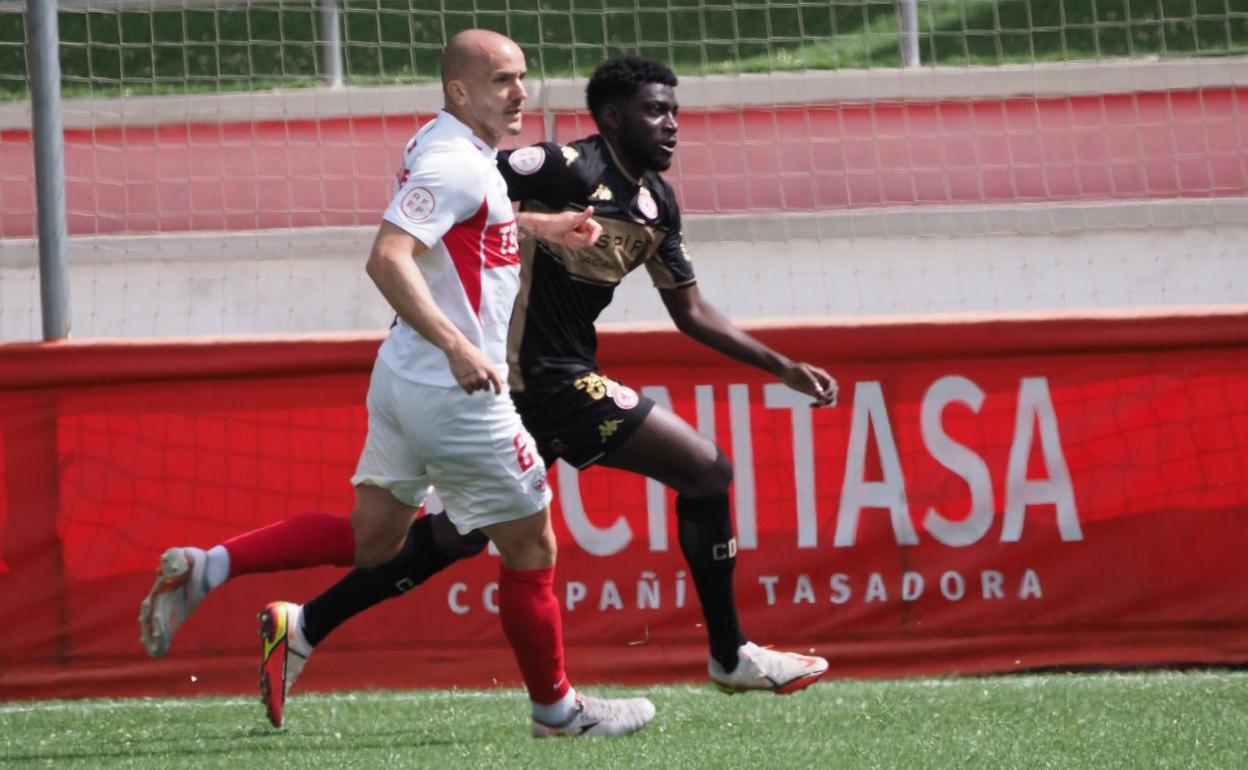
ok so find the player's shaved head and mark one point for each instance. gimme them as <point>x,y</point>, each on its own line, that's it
<point>483,83</point>
<point>471,51</point>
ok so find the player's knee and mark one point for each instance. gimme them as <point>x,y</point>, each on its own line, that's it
<point>540,552</point>
<point>710,478</point>
<point>720,474</point>
<point>528,553</point>
<point>375,544</point>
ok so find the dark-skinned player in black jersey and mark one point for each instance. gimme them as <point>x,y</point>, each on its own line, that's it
<point>561,396</point>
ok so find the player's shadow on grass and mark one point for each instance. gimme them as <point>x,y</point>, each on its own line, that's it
<point>253,741</point>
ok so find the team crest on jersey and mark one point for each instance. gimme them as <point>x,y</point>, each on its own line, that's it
<point>624,396</point>
<point>527,160</point>
<point>646,205</point>
<point>418,204</point>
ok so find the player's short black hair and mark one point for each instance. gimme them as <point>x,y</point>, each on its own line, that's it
<point>623,77</point>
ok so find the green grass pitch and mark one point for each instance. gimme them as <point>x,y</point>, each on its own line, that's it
<point>1137,720</point>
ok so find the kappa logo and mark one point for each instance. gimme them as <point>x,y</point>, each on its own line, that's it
<point>569,154</point>
<point>607,428</point>
<point>603,193</point>
<point>418,204</point>
<point>527,160</point>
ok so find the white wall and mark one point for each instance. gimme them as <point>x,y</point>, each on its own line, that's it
<point>889,262</point>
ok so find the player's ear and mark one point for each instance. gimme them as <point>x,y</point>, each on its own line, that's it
<point>610,116</point>
<point>456,92</point>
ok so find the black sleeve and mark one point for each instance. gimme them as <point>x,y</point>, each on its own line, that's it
<point>538,173</point>
<point>672,265</point>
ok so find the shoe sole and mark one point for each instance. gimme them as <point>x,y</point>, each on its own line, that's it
<point>171,575</point>
<point>268,627</point>
<point>788,688</point>
<point>545,731</point>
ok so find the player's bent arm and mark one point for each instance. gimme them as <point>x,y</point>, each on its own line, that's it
<point>392,266</point>
<point>574,229</point>
<point>702,321</point>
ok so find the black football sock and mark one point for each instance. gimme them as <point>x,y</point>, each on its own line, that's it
<point>431,545</point>
<point>706,540</point>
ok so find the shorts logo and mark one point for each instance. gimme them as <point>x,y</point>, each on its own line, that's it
<point>598,387</point>
<point>646,205</point>
<point>539,483</point>
<point>624,396</point>
<point>595,385</point>
<point>527,160</point>
<point>418,204</point>
<point>607,428</point>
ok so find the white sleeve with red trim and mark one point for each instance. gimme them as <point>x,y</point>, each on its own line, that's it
<point>440,191</point>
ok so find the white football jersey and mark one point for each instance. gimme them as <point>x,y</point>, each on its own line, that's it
<point>451,197</point>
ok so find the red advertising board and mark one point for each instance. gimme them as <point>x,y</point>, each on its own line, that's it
<point>988,495</point>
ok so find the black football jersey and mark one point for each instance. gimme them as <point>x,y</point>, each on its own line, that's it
<point>562,290</point>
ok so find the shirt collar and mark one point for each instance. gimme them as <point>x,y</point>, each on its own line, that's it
<point>457,127</point>
<point>615,161</point>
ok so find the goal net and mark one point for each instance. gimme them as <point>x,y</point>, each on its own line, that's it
<point>1037,156</point>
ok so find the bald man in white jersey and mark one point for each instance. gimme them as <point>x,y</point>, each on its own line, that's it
<point>446,258</point>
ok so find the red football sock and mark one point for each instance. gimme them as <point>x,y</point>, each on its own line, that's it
<point>306,540</point>
<point>530,614</point>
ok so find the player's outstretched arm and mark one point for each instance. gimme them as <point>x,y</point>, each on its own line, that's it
<point>392,266</point>
<point>574,229</point>
<point>700,320</point>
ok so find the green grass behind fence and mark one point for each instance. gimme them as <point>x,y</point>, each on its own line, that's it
<point>210,46</point>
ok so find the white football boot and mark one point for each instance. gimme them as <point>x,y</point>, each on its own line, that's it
<point>600,717</point>
<point>759,668</point>
<point>180,587</point>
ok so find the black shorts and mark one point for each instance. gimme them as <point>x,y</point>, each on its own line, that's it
<point>582,419</point>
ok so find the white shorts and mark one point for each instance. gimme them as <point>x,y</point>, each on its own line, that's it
<point>473,448</point>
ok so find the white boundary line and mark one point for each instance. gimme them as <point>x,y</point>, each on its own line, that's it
<point>716,91</point>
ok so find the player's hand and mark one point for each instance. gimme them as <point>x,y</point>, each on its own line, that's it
<point>472,371</point>
<point>574,229</point>
<point>811,380</point>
